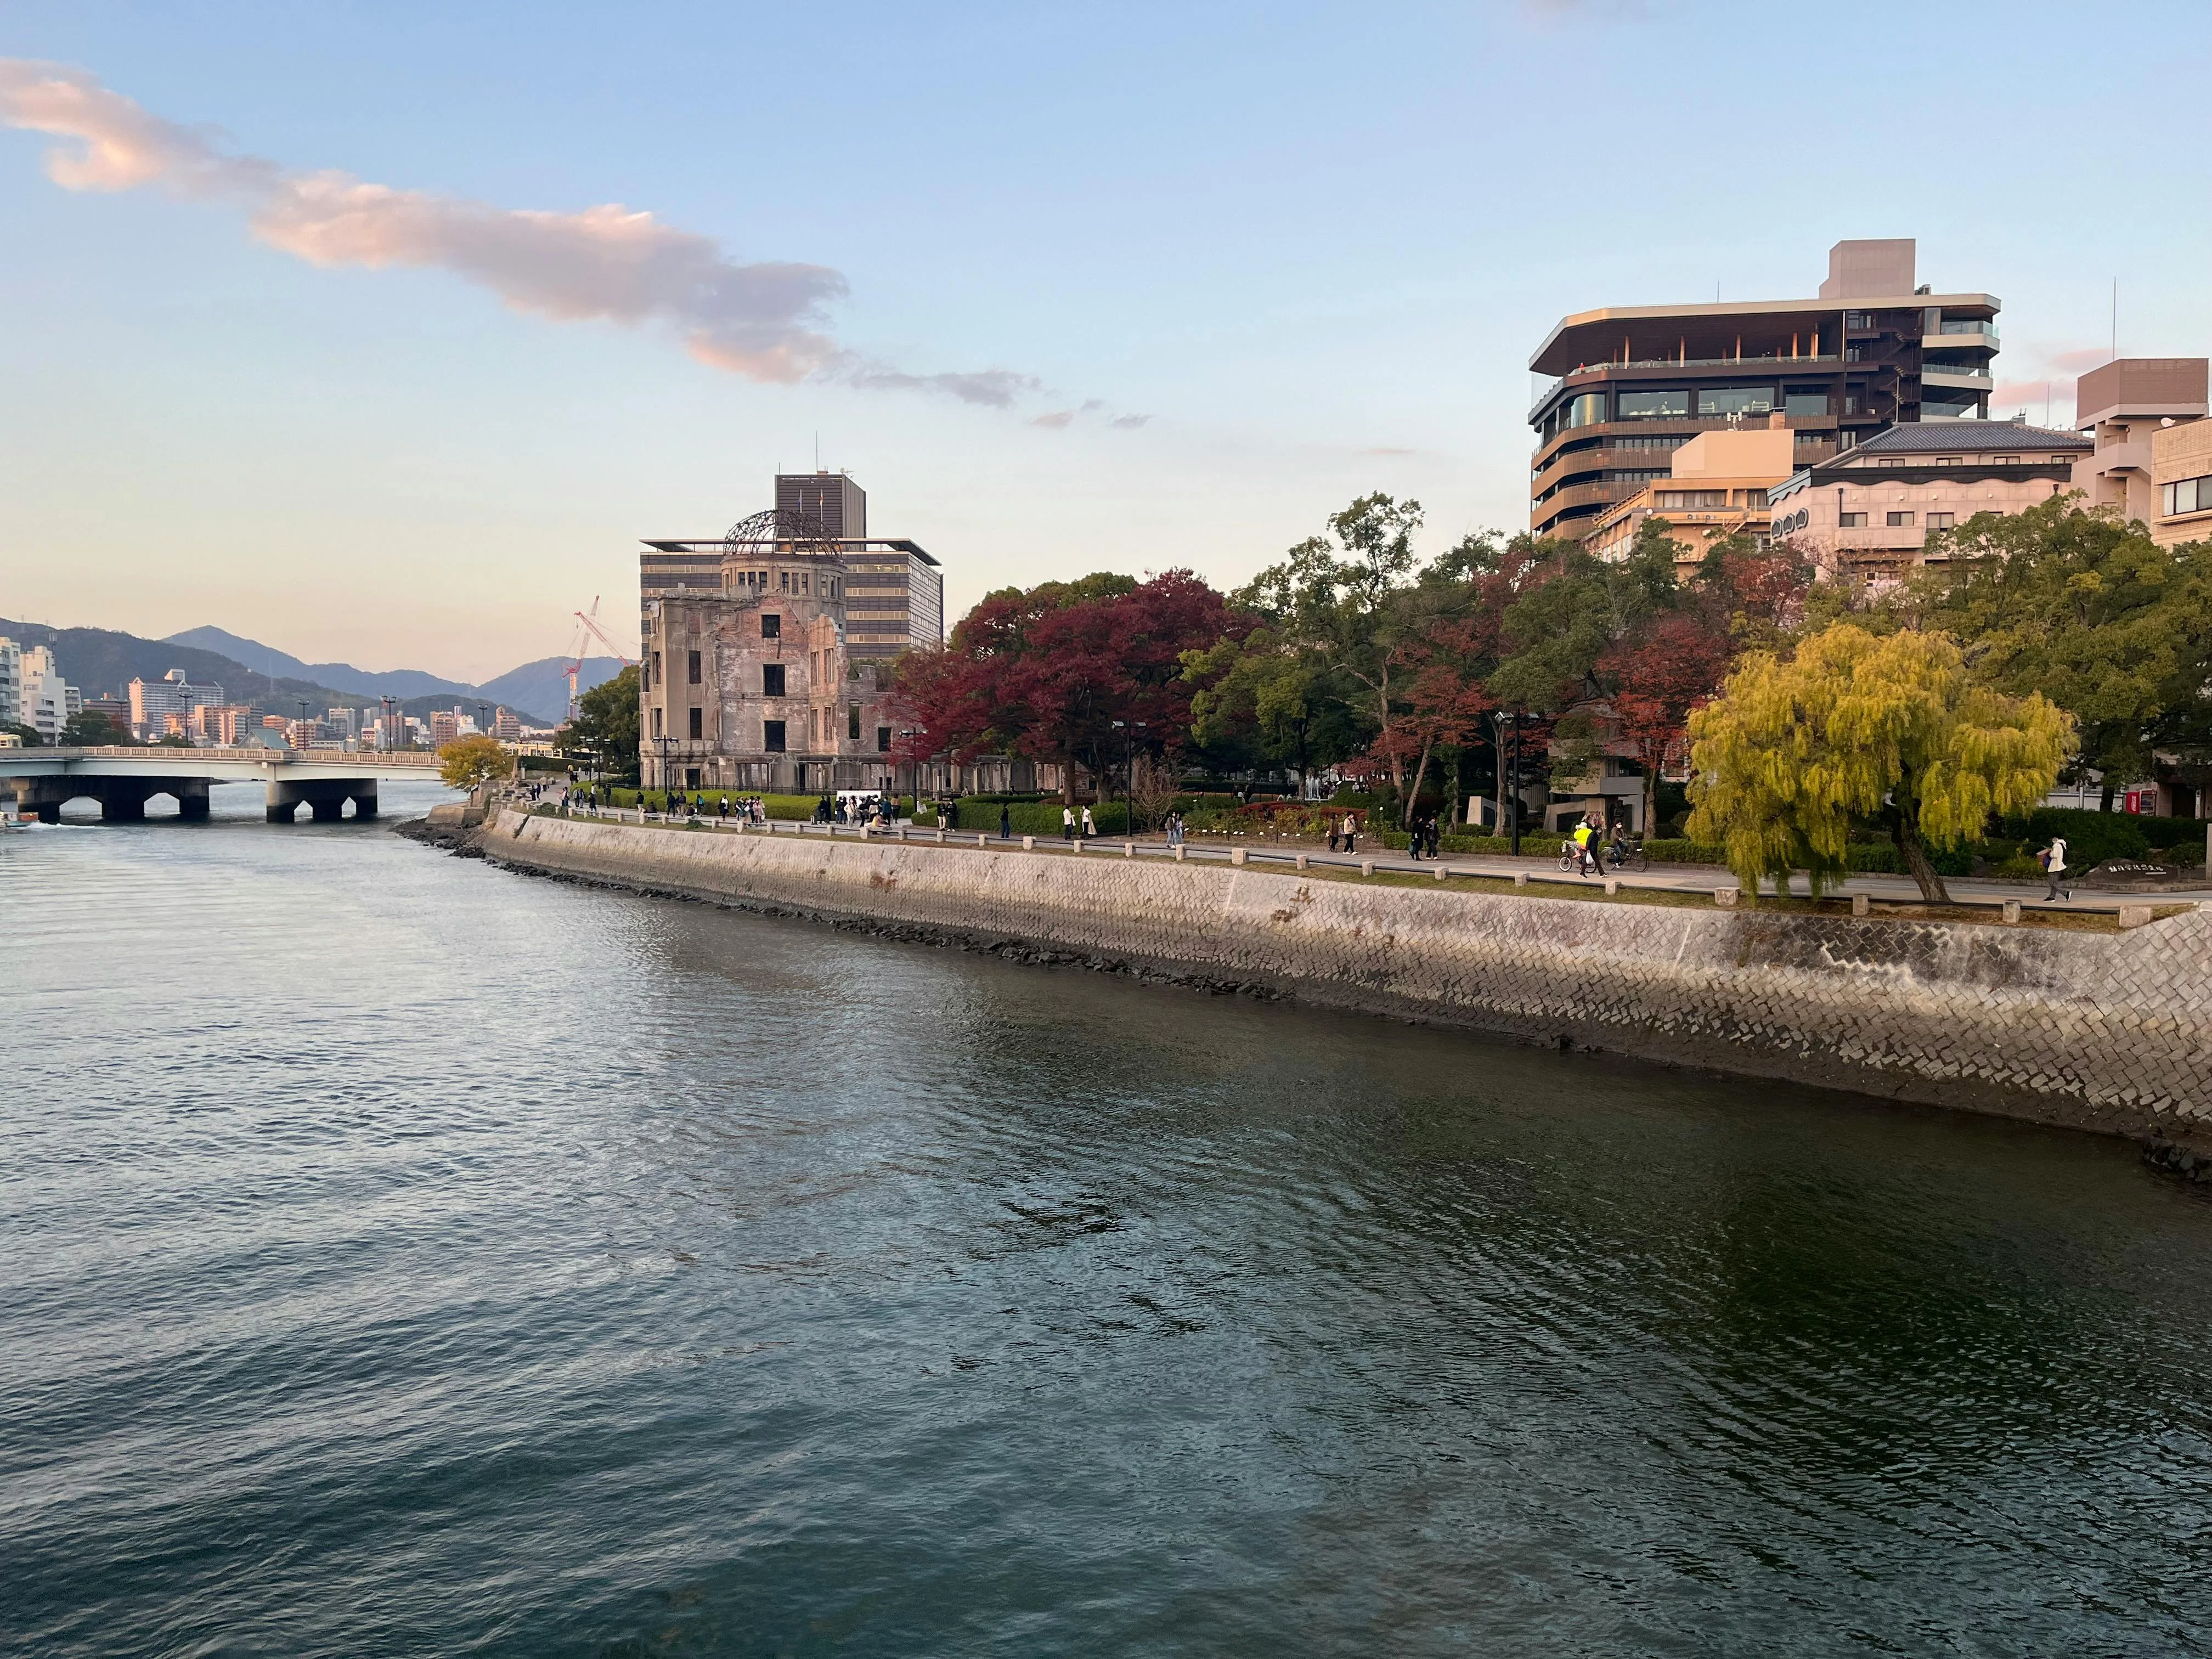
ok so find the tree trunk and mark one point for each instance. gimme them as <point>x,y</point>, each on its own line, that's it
<point>1451,789</point>
<point>1912,852</point>
<point>1406,811</point>
<point>1383,708</point>
<point>2104,804</point>
<point>1498,770</point>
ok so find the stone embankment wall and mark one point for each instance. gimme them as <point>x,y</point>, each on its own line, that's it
<point>2110,1031</point>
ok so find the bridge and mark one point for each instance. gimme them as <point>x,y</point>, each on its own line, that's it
<point>123,779</point>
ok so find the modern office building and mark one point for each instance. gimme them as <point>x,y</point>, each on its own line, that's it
<point>894,590</point>
<point>506,725</point>
<point>1632,383</point>
<point>1865,515</point>
<point>152,701</point>
<point>11,683</point>
<point>2122,407</point>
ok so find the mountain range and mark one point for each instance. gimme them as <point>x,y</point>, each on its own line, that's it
<point>102,662</point>
<point>541,686</point>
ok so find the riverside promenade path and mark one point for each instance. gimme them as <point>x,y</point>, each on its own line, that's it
<point>1535,868</point>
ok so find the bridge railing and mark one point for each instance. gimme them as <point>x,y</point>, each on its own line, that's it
<point>254,754</point>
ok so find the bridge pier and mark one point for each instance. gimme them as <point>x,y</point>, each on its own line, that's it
<point>325,799</point>
<point>122,800</point>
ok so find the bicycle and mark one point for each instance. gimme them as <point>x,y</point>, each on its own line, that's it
<point>1570,858</point>
<point>1626,855</point>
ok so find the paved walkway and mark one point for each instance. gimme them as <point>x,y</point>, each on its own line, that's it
<point>1669,878</point>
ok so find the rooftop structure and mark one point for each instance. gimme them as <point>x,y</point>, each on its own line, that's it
<point>1871,351</point>
<point>2122,407</point>
<point>831,499</point>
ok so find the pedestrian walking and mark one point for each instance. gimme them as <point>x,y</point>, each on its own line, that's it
<point>1089,826</point>
<point>1350,832</point>
<point>2053,861</point>
<point>1067,823</point>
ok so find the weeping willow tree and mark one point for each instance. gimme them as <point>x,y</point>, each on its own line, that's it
<point>1857,728</point>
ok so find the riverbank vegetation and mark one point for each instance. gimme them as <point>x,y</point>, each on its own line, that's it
<point>2049,645</point>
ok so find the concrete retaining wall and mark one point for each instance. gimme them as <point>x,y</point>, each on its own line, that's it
<point>2112,1031</point>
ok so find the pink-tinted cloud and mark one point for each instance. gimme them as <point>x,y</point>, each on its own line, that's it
<point>765,321</point>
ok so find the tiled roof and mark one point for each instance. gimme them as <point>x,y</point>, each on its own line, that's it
<point>1965,438</point>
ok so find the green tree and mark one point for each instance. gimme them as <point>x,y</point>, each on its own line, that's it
<point>92,728</point>
<point>604,735</point>
<point>1346,605</point>
<point>31,738</point>
<point>1264,686</point>
<point>2092,613</point>
<point>467,761</point>
<point>1858,727</point>
<point>1559,628</point>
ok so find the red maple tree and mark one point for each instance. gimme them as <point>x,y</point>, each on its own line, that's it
<point>1085,673</point>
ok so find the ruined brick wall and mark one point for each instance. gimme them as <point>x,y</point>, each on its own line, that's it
<point>2111,1031</point>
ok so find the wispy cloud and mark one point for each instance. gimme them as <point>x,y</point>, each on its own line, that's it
<point>2049,388</point>
<point>765,321</point>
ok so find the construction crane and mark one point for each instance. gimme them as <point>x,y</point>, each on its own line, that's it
<point>587,629</point>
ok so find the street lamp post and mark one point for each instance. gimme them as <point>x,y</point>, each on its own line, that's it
<point>1513,789</point>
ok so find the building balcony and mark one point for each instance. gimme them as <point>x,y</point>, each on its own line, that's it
<point>1648,369</point>
<point>1966,377</point>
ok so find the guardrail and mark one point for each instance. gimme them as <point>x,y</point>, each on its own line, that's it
<point>2136,911</point>
<point>255,754</point>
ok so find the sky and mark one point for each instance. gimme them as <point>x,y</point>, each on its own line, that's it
<point>383,332</point>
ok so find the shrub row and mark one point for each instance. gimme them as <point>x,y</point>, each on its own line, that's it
<point>1037,817</point>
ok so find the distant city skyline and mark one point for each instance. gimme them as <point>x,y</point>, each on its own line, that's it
<point>336,336</point>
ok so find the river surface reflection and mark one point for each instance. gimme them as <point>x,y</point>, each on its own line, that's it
<point>405,1256</point>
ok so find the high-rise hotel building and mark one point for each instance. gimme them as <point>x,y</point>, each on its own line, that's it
<point>1631,384</point>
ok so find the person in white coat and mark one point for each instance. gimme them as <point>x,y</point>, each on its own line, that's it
<point>2054,867</point>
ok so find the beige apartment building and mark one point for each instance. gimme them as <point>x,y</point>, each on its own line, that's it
<point>1865,516</point>
<point>2181,482</point>
<point>1717,486</point>
<point>2122,408</point>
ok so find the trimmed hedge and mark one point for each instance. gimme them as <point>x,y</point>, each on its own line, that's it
<point>1038,818</point>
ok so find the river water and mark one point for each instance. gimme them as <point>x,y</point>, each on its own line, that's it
<point>407,1257</point>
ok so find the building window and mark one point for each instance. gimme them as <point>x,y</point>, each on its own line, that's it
<point>1588,409</point>
<point>853,721</point>
<point>1736,400</point>
<point>771,679</point>
<point>694,668</point>
<point>1950,460</point>
<point>656,670</point>
<point>656,722</point>
<point>2008,460</point>
<point>698,726</point>
<point>772,736</point>
<point>1654,405</point>
<point>883,740</point>
<point>1809,402</point>
<point>771,626</point>
<point>1694,498</point>
<point>1901,521</point>
<point>1851,520</point>
<point>2188,495</point>
<point>1942,520</point>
